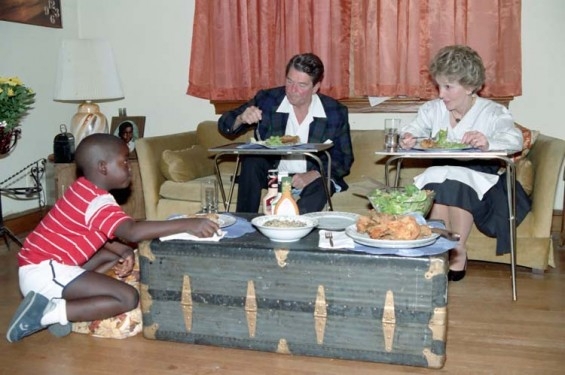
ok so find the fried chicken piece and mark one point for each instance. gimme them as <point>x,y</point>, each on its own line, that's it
<point>428,143</point>
<point>363,222</point>
<point>425,231</point>
<point>285,139</point>
<point>405,228</point>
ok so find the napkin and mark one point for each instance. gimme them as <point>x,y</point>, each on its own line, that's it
<point>340,240</point>
<point>479,181</point>
<point>189,237</point>
<point>239,228</point>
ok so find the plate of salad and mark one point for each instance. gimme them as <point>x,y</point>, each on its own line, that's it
<point>276,141</point>
<point>440,143</point>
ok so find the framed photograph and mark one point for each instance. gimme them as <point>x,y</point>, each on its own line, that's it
<point>130,129</point>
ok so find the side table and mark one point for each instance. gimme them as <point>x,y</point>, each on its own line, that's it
<point>134,205</point>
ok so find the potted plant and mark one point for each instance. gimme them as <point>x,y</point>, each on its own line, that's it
<point>15,101</point>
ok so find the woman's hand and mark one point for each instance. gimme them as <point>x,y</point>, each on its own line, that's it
<point>407,141</point>
<point>301,180</point>
<point>476,139</point>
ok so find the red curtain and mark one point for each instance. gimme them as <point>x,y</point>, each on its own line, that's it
<point>369,47</point>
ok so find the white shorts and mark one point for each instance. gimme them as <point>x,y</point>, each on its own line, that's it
<point>48,278</point>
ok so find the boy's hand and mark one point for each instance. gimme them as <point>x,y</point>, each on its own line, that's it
<point>202,227</point>
<point>125,265</point>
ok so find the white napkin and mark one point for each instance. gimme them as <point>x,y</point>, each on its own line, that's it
<point>340,240</point>
<point>479,181</point>
<point>189,237</point>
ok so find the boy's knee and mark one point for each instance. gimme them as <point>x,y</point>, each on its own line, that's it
<point>130,299</point>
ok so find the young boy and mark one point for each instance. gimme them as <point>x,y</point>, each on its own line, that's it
<point>64,260</point>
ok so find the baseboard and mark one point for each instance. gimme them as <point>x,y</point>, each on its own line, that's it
<point>24,222</point>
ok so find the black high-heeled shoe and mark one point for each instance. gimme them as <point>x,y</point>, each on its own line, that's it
<point>457,275</point>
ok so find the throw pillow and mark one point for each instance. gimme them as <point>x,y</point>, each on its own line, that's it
<point>530,137</point>
<point>187,164</point>
<point>121,326</point>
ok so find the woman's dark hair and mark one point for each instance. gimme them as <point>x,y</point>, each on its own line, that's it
<point>307,63</point>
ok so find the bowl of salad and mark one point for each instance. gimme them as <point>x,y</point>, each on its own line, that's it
<point>401,200</point>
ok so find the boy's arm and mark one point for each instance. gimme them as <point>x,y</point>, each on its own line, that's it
<point>136,231</point>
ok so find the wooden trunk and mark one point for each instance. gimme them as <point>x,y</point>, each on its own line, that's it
<point>251,293</point>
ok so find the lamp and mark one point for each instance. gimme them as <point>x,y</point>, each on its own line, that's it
<point>87,72</point>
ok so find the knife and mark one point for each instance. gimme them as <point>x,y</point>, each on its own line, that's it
<point>452,236</point>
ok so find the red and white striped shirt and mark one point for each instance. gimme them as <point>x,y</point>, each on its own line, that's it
<point>77,226</point>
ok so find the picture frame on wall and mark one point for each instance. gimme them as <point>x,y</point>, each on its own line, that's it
<point>33,12</point>
<point>130,129</point>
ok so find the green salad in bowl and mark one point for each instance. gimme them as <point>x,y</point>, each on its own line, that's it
<point>402,200</point>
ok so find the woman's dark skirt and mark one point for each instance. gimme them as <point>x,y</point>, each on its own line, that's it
<point>489,214</point>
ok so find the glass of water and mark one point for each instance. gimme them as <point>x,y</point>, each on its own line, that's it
<point>209,196</point>
<point>392,135</point>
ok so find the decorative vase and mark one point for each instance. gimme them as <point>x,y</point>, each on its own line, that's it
<point>88,120</point>
<point>8,139</point>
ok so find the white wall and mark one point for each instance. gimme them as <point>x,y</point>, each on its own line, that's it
<point>151,42</point>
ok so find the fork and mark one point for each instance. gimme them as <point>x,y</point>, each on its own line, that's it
<point>329,236</point>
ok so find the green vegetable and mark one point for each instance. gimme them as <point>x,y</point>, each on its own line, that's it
<point>397,201</point>
<point>442,141</point>
<point>274,140</point>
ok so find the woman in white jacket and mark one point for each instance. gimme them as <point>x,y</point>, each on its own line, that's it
<point>470,191</point>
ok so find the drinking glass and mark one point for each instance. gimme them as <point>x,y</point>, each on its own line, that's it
<point>392,128</point>
<point>209,196</point>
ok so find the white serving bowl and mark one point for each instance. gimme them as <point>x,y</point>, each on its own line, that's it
<point>284,233</point>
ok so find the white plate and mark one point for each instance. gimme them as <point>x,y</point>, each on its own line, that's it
<point>332,220</point>
<point>455,149</point>
<point>226,220</point>
<point>364,239</point>
<point>223,220</point>
<point>284,145</point>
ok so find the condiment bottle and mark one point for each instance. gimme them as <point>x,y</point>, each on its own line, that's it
<point>281,175</point>
<point>272,191</point>
<point>286,205</point>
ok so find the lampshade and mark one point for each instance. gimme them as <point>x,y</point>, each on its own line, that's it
<point>86,72</point>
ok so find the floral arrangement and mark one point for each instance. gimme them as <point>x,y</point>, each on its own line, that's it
<point>15,100</point>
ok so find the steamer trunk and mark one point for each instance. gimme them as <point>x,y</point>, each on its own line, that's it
<point>251,293</point>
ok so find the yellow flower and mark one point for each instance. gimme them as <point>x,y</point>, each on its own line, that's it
<point>15,101</point>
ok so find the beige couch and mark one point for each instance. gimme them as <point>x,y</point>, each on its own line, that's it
<point>165,197</point>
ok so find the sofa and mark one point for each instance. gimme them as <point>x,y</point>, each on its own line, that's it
<point>173,166</point>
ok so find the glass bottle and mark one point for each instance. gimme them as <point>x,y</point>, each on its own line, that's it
<point>286,205</point>
<point>272,191</point>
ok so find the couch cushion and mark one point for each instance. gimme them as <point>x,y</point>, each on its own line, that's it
<point>525,174</point>
<point>190,190</point>
<point>185,165</point>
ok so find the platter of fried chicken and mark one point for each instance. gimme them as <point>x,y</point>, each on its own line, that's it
<point>391,231</point>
